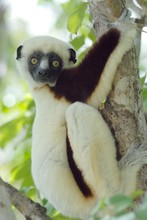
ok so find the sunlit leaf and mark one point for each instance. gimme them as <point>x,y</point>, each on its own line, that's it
<point>29,191</point>
<point>75,20</point>
<point>78,42</point>
<point>91,35</point>
<point>58,216</point>
<point>144,92</point>
<point>23,173</point>
<point>136,194</point>
<point>9,130</point>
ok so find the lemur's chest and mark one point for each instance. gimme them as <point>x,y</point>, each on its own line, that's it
<point>49,129</point>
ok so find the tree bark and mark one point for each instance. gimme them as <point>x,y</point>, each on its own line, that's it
<point>9,195</point>
<point>6,212</point>
<point>29,209</point>
<point>123,110</point>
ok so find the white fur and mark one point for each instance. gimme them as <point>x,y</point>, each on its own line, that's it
<point>91,140</point>
<point>94,148</point>
<point>50,169</point>
<point>44,63</point>
<point>102,90</point>
<point>45,44</point>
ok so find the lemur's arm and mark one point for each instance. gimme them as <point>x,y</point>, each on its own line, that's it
<point>77,83</point>
<point>94,75</point>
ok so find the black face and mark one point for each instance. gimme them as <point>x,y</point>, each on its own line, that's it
<point>45,67</point>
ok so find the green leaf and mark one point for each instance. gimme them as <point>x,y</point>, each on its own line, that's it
<point>78,42</point>
<point>127,216</point>
<point>75,20</point>
<point>9,130</point>
<point>23,173</point>
<point>141,213</point>
<point>136,194</point>
<point>61,217</point>
<point>91,35</point>
<point>120,202</point>
<point>29,191</point>
<point>144,92</point>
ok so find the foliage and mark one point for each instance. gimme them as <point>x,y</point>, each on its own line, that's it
<point>75,20</point>
<point>117,207</point>
<point>121,207</point>
<point>144,90</point>
<point>16,125</point>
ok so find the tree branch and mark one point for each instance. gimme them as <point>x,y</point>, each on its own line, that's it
<point>29,209</point>
<point>6,212</point>
<point>123,110</point>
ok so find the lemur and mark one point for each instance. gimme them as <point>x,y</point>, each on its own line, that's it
<point>73,151</point>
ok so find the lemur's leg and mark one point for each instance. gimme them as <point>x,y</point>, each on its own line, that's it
<point>93,148</point>
<point>130,164</point>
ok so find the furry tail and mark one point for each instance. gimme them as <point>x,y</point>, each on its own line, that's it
<point>130,164</point>
<point>135,157</point>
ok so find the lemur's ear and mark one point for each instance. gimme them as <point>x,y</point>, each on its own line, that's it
<point>72,55</point>
<point>18,52</point>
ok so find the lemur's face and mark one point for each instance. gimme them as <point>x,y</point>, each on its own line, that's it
<point>45,67</point>
<point>44,58</point>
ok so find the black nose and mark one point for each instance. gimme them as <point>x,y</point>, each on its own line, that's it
<point>42,72</point>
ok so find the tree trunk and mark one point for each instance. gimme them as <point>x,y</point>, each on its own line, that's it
<point>123,110</point>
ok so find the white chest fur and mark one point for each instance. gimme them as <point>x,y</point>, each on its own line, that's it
<point>49,131</point>
<point>50,168</point>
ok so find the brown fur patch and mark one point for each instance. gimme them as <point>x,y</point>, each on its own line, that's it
<point>77,174</point>
<point>78,83</point>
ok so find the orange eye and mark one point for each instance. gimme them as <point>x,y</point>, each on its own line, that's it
<point>55,63</point>
<point>34,61</point>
